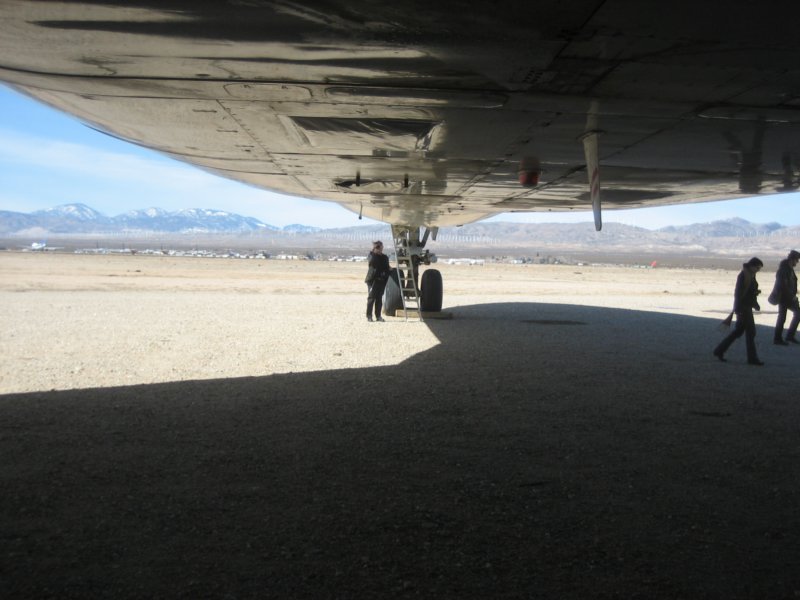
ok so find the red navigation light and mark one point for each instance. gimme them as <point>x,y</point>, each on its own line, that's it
<point>528,178</point>
<point>529,171</point>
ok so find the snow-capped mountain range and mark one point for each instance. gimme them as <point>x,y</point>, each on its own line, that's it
<point>79,218</point>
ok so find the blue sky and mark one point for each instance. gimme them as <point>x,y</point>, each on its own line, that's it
<point>47,159</point>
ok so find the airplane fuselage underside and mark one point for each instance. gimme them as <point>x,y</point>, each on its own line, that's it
<point>432,115</point>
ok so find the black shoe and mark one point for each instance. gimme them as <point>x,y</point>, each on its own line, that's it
<point>792,341</point>
<point>780,342</point>
<point>380,320</point>
<point>369,318</point>
<point>718,354</point>
<point>756,362</point>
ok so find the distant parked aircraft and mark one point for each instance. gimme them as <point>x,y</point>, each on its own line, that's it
<point>40,247</point>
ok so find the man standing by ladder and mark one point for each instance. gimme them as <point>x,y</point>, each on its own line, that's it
<point>377,276</point>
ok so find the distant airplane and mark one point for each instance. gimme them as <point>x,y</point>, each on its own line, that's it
<point>435,114</point>
<point>40,247</point>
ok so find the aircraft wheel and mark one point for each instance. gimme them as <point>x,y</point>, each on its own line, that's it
<point>391,295</point>
<point>431,291</point>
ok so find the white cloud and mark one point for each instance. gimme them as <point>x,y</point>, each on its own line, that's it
<point>67,157</point>
<point>54,172</point>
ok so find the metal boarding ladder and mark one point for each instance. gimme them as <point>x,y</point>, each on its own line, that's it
<point>409,291</point>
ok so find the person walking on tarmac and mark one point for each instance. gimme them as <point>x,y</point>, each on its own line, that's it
<point>745,299</point>
<point>377,276</point>
<point>784,294</point>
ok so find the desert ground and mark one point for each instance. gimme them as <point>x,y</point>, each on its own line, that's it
<point>219,428</point>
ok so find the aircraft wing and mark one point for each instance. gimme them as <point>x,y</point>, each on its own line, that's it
<point>434,114</point>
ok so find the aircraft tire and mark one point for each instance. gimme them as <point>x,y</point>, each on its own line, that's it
<point>431,291</point>
<point>391,295</point>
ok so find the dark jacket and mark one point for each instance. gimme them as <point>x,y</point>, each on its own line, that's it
<point>785,283</point>
<point>378,268</point>
<point>745,297</point>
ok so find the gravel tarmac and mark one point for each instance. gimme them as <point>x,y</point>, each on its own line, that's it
<point>219,428</point>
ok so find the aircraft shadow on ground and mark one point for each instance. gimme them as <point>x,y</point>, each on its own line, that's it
<point>538,451</point>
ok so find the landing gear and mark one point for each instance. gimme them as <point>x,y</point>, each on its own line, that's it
<point>404,290</point>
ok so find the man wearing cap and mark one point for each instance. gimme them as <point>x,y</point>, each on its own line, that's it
<point>785,295</point>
